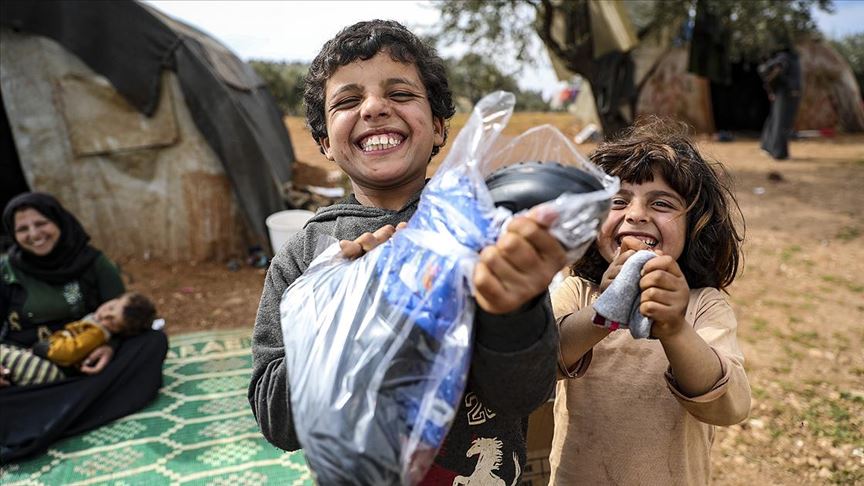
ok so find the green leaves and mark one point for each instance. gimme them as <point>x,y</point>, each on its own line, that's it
<point>285,82</point>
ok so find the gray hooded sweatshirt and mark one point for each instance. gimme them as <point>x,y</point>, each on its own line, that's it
<point>513,366</point>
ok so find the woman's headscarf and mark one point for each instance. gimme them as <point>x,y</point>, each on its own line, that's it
<point>72,254</point>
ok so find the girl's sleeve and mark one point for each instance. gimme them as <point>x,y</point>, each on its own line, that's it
<point>568,298</point>
<point>728,402</point>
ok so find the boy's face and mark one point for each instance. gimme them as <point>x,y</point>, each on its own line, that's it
<point>380,128</point>
<point>110,314</point>
<point>652,212</point>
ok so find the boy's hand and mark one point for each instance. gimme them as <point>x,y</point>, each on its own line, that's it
<point>665,295</point>
<point>520,265</point>
<point>97,360</point>
<point>367,241</point>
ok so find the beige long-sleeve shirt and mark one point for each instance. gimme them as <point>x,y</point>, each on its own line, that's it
<point>624,422</point>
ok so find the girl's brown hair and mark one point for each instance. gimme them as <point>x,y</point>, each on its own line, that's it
<point>715,224</point>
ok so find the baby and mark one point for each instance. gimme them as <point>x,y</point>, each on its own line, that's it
<point>128,315</point>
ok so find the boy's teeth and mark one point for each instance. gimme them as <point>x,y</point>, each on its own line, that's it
<point>380,142</point>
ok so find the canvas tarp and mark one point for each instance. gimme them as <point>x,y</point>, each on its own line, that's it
<point>831,97</point>
<point>157,190</point>
<point>137,52</point>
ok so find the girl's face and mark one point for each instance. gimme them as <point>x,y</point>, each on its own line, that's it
<point>651,212</point>
<point>35,233</point>
<point>380,128</point>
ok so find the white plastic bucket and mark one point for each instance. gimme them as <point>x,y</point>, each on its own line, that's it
<point>283,224</point>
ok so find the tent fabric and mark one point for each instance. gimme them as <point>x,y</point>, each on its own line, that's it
<point>131,53</point>
<point>829,97</point>
<point>131,45</point>
<point>174,201</point>
<point>611,28</point>
<point>240,131</point>
<point>13,181</point>
<point>671,91</point>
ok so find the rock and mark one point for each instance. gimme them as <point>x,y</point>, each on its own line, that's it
<point>756,423</point>
<point>775,176</point>
<point>232,301</point>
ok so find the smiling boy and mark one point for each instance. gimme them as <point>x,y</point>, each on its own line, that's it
<point>377,101</point>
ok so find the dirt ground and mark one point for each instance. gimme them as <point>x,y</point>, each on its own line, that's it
<point>799,302</point>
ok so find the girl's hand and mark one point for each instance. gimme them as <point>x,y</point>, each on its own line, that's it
<point>520,265</point>
<point>97,360</point>
<point>665,295</point>
<point>367,241</point>
<point>629,246</point>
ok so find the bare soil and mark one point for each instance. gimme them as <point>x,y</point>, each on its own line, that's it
<point>799,302</point>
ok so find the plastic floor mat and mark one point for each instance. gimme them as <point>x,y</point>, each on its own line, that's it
<point>198,431</point>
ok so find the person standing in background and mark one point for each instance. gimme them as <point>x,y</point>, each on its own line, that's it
<point>781,74</point>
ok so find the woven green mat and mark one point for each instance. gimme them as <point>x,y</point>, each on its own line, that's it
<point>199,430</point>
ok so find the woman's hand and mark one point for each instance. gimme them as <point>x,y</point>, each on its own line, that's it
<point>629,246</point>
<point>367,241</point>
<point>97,360</point>
<point>4,377</point>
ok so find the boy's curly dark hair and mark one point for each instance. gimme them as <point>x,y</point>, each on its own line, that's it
<point>138,314</point>
<point>363,41</point>
<point>715,224</point>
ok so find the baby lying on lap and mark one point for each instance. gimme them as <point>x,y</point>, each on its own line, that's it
<point>128,315</point>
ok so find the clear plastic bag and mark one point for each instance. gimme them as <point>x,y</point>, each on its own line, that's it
<point>378,348</point>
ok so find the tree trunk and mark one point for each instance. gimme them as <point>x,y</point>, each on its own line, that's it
<point>613,122</point>
<point>611,75</point>
<point>614,92</point>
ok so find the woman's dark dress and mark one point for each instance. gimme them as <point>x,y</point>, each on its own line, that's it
<point>33,417</point>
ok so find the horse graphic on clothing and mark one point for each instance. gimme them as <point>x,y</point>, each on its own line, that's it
<point>489,451</point>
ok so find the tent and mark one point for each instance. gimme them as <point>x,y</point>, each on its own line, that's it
<point>830,99</point>
<point>155,135</point>
<point>723,95</point>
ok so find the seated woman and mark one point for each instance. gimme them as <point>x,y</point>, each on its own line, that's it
<point>52,276</point>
